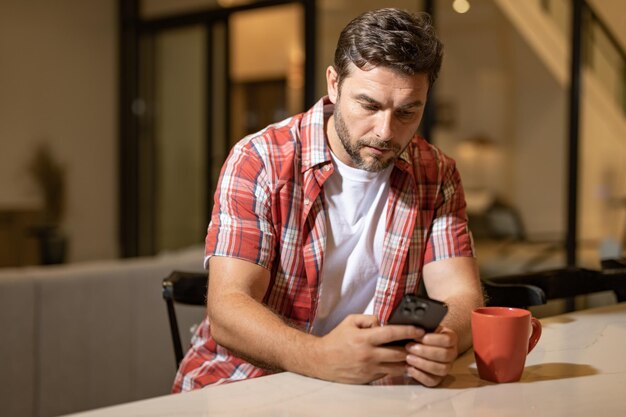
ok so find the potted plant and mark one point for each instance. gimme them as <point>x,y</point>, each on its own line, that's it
<point>49,176</point>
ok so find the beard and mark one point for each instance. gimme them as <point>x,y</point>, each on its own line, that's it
<point>374,163</point>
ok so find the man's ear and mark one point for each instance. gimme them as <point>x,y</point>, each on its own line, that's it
<point>332,84</point>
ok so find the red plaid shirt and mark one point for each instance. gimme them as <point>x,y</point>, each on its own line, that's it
<point>269,209</point>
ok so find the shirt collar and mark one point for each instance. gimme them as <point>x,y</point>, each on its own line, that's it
<point>315,149</point>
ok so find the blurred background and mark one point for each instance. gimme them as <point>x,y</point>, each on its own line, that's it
<point>116,115</point>
<point>132,106</point>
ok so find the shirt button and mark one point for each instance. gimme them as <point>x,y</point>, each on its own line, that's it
<point>326,167</point>
<point>307,201</point>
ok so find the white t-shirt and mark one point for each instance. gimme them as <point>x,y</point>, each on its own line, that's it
<point>357,206</point>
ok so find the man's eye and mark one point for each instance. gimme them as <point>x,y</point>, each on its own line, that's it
<point>369,107</point>
<point>405,114</point>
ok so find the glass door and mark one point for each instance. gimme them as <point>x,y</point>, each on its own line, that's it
<point>181,134</point>
<point>204,80</point>
<point>175,138</point>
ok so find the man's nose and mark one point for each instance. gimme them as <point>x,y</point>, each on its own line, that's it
<point>384,124</point>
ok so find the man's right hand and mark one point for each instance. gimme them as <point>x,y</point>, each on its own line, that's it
<point>353,352</point>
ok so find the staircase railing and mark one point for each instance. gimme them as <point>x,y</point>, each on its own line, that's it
<point>601,53</point>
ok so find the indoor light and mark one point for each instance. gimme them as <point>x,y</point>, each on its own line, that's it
<point>461,6</point>
<point>232,3</point>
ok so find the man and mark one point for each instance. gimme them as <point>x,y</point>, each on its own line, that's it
<point>323,221</point>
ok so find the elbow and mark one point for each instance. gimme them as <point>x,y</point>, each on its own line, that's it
<point>215,308</point>
<point>218,330</point>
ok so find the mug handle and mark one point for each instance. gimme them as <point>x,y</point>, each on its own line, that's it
<point>535,335</point>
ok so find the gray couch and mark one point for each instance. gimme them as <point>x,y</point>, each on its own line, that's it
<point>82,336</point>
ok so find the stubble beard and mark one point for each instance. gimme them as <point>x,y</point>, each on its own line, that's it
<point>374,163</point>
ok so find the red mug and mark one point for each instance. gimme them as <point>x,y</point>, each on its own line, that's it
<point>502,337</point>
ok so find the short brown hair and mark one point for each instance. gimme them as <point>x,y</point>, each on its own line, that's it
<point>390,38</point>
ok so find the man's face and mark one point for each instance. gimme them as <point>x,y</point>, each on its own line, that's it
<point>377,112</point>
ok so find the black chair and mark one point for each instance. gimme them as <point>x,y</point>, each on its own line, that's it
<point>499,221</point>
<point>573,281</point>
<point>512,295</point>
<point>614,270</point>
<point>185,288</point>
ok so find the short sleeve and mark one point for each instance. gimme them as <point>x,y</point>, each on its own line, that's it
<point>241,224</point>
<point>449,235</point>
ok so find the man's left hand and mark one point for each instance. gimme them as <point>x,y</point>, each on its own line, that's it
<point>429,361</point>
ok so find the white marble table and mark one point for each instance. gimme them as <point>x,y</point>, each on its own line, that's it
<point>577,369</point>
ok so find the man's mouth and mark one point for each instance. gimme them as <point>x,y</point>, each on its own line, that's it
<point>377,150</point>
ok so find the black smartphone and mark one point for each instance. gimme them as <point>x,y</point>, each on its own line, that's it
<point>419,312</point>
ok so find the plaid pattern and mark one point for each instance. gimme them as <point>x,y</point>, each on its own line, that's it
<point>269,209</point>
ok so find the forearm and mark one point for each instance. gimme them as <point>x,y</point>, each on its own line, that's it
<point>266,340</point>
<point>455,281</point>
<point>243,324</point>
<point>459,317</point>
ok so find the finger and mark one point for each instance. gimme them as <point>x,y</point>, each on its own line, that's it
<point>433,353</point>
<point>446,339</point>
<point>392,333</point>
<point>392,369</point>
<point>428,366</point>
<point>390,354</point>
<point>364,321</point>
<point>423,378</point>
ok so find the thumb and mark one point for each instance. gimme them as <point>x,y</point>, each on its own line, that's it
<point>365,321</point>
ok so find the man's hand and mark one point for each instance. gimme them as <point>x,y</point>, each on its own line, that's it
<point>352,352</point>
<point>431,360</point>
